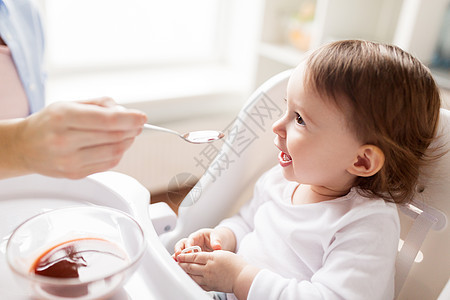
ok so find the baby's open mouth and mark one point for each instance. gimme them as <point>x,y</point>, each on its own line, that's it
<point>284,159</point>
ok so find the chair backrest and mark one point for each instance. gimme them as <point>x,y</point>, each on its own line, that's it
<point>248,151</point>
<point>424,225</point>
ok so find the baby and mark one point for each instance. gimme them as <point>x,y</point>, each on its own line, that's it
<point>323,224</point>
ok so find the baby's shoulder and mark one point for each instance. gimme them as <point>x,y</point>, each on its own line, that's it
<point>364,209</point>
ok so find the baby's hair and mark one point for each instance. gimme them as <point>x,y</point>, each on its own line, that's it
<point>389,99</point>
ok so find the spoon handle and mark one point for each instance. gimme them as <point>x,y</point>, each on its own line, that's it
<point>157,128</point>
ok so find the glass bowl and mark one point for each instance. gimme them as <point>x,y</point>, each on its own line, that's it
<point>75,253</point>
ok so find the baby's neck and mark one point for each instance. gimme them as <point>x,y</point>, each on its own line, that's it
<point>2,43</point>
<point>307,194</point>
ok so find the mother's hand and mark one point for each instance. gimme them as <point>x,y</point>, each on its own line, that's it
<point>75,139</point>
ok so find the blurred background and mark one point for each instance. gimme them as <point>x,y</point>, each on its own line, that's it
<point>190,65</point>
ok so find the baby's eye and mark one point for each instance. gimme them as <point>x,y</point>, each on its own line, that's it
<point>299,120</point>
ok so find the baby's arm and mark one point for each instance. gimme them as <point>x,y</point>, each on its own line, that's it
<point>221,271</point>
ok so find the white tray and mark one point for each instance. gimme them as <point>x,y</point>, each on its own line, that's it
<point>158,276</point>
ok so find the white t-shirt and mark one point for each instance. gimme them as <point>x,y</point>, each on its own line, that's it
<point>339,249</point>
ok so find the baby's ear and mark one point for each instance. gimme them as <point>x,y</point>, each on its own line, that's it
<point>369,161</point>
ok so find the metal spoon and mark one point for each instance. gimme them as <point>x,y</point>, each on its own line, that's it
<point>195,137</point>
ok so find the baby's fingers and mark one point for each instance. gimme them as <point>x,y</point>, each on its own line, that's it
<point>200,258</point>
<point>216,242</point>
<point>195,239</point>
<point>192,269</point>
<point>179,247</point>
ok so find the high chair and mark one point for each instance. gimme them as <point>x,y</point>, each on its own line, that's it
<point>248,151</point>
<point>157,275</point>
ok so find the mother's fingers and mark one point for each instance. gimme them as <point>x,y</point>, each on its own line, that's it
<point>90,160</point>
<point>74,139</point>
<point>107,119</point>
<point>101,101</point>
<point>104,152</point>
<point>94,117</point>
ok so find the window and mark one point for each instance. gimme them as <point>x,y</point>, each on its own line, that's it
<point>113,34</point>
<point>197,55</point>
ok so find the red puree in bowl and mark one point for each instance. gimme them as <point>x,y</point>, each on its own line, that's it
<point>85,259</point>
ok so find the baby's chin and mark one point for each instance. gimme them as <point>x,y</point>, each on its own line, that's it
<point>289,176</point>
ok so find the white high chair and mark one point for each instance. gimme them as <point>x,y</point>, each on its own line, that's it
<point>248,151</point>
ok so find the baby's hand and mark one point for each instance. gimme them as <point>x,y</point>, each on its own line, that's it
<point>213,271</point>
<point>205,239</point>
<point>192,249</point>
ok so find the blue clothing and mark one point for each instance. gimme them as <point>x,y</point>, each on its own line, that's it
<point>21,30</point>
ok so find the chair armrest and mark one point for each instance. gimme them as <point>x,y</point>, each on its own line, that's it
<point>162,216</point>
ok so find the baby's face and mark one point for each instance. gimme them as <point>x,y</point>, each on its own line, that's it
<point>316,145</point>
